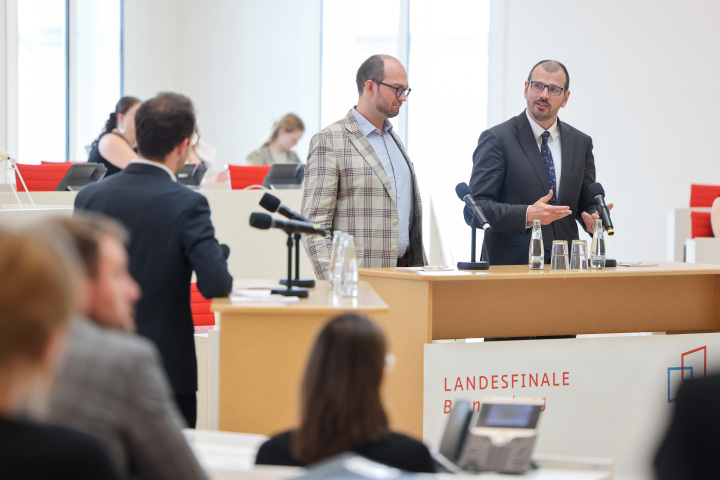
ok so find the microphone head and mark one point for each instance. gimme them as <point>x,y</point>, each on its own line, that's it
<point>462,190</point>
<point>270,202</point>
<point>596,189</point>
<point>262,221</point>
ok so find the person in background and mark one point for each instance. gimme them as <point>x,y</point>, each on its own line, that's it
<point>285,135</point>
<point>340,406</point>
<point>715,217</point>
<point>111,383</point>
<point>115,147</point>
<point>171,236</point>
<point>37,297</point>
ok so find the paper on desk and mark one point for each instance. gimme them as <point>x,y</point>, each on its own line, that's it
<point>259,296</point>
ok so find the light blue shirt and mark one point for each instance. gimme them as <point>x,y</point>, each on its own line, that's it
<point>398,172</point>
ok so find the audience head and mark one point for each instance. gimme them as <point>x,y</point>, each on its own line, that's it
<point>111,292</point>
<point>37,298</point>
<point>165,125</point>
<point>287,131</point>
<point>382,86</point>
<point>122,120</point>
<point>340,396</point>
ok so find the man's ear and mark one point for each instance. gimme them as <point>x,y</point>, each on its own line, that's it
<point>182,146</point>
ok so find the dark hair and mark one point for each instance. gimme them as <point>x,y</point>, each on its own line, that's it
<point>86,229</point>
<point>552,67</point>
<point>340,405</point>
<point>371,69</point>
<point>162,123</point>
<point>122,106</point>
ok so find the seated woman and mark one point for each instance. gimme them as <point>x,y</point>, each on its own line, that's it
<point>340,406</point>
<point>285,135</point>
<point>37,295</point>
<point>115,147</point>
<point>715,217</point>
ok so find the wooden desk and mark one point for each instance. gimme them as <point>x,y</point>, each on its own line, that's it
<point>263,350</point>
<point>509,301</point>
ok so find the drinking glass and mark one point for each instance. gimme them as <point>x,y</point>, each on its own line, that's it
<point>578,255</point>
<point>559,259</point>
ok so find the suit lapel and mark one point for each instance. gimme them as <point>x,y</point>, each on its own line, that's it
<point>362,145</point>
<point>532,152</point>
<point>567,144</point>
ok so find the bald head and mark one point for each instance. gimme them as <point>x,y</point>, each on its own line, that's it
<point>551,66</point>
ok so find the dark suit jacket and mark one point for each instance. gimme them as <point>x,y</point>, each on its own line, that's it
<point>171,235</point>
<point>509,174</point>
<point>690,447</point>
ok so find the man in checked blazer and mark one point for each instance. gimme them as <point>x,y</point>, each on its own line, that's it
<point>111,384</point>
<point>359,179</point>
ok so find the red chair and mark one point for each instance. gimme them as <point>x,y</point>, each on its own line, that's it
<point>41,178</point>
<point>702,196</point>
<point>200,306</point>
<point>243,176</point>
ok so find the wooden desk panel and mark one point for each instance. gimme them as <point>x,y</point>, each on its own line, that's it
<point>263,350</point>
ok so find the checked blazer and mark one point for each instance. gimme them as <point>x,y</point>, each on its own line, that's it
<point>347,189</point>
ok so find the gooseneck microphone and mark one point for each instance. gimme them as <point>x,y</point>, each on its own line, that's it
<point>464,194</point>
<point>263,221</point>
<point>598,193</point>
<point>272,204</point>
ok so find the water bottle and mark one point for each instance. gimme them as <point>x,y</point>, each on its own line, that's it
<point>537,249</point>
<point>350,277</point>
<point>337,235</point>
<point>337,262</point>
<point>597,251</point>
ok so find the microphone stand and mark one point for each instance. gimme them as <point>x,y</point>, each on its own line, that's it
<point>297,281</point>
<point>290,290</point>
<point>472,264</point>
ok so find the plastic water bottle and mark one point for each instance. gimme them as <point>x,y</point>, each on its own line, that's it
<point>597,251</point>
<point>536,255</point>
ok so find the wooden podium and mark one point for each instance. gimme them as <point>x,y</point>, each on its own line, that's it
<point>510,301</point>
<point>263,350</point>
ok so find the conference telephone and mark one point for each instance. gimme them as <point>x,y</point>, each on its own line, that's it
<point>499,436</point>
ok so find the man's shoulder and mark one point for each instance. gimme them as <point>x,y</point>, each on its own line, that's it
<point>567,129</point>
<point>90,340</point>
<point>338,127</point>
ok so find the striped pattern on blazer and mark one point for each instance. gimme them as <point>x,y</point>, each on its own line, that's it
<point>347,189</point>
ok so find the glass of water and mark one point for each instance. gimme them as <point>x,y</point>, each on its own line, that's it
<point>559,259</point>
<point>578,255</point>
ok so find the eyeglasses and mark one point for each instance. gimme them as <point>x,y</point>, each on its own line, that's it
<point>552,89</point>
<point>398,90</point>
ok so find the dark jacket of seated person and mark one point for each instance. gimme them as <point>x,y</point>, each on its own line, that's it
<point>340,405</point>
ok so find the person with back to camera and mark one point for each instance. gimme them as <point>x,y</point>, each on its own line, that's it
<point>285,135</point>
<point>340,406</point>
<point>115,147</point>
<point>37,296</point>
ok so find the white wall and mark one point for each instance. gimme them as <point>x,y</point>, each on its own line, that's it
<point>244,63</point>
<point>643,77</point>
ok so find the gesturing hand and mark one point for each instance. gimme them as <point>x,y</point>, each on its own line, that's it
<point>547,214</point>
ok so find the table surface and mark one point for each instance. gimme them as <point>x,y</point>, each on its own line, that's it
<point>515,272</point>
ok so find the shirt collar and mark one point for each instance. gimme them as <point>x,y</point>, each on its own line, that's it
<point>368,128</point>
<point>142,161</point>
<point>538,130</point>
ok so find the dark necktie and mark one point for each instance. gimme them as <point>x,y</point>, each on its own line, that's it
<point>549,166</point>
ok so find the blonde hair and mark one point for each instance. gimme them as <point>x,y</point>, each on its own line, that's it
<point>290,123</point>
<point>37,294</point>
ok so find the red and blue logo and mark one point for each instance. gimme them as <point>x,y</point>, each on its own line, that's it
<point>693,364</point>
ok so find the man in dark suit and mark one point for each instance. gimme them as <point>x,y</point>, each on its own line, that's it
<point>534,167</point>
<point>691,444</point>
<point>171,236</point>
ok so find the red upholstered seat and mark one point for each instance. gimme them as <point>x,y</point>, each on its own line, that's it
<point>200,306</point>
<point>702,196</point>
<point>41,178</point>
<point>243,176</point>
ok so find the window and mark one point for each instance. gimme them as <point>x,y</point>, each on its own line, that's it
<point>444,47</point>
<point>68,75</point>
